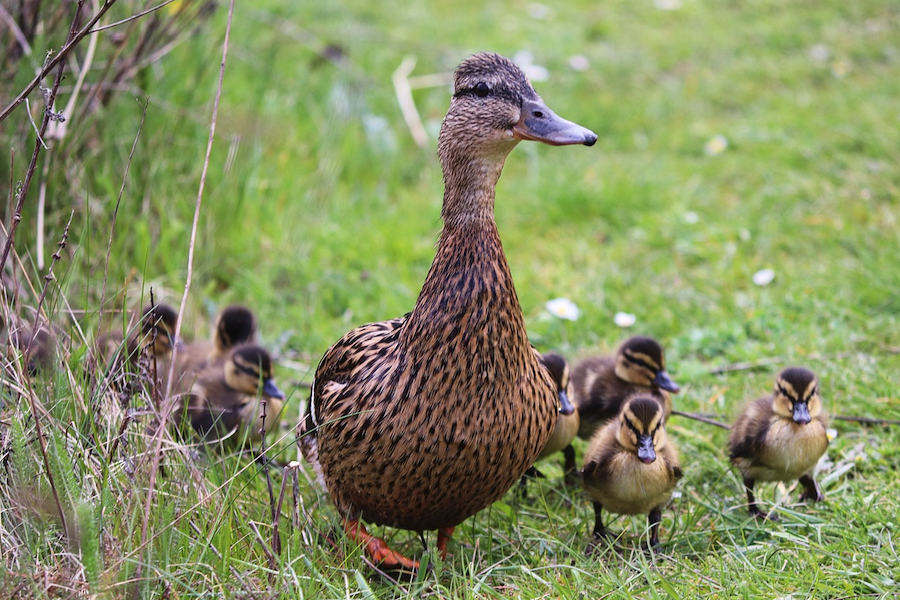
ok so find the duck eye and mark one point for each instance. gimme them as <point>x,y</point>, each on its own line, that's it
<point>482,89</point>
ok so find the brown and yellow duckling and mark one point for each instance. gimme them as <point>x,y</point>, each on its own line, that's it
<point>155,332</point>
<point>630,467</point>
<point>566,420</point>
<point>601,384</point>
<point>422,421</point>
<point>235,396</point>
<point>782,436</point>
<point>234,326</point>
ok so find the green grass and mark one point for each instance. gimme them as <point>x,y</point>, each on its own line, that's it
<point>327,219</point>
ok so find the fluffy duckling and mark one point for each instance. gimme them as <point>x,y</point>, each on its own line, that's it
<point>39,353</point>
<point>630,467</point>
<point>567,419</point>
<point>782,436</point>
<point>227,396</point>
<point>422,421</point>
<point>602,383</point>
<point>234,326</point>
<point>156,332</point>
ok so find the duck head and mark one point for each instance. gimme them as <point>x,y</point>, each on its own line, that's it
<point>797,395</point>
<point>559,370</point>
<point>248,369</point>
<point>640,361</point>
<point>642,428</point>
<point>235,325</point>
<point>158,328</point>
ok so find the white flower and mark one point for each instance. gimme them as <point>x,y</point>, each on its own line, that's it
<point>819,52</point>
<point>539,11</point>
<point>691,217</point>
<point>831,433</point>
<point>563,308</point>
<point>667,4</point>
<point>525,60</point>
<point>763,277</point>
<point>624,319</point>
<point>579,62</point>
<point>716,145</point>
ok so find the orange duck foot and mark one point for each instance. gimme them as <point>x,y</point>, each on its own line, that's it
<point>377,549</point>
<point>444,536</point>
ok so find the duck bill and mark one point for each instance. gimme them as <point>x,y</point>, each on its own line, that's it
<point>801,413</point>
<point>646,453</point>
<point>271,390</point>
<point>540,124</point>
<point>663,381</point>
<point>565,406</point>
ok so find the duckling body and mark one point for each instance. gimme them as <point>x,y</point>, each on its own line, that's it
<point>420,422</point>
<point>567,418</point>
<point>782,436</point>
<point>601,384</point>
<point>234,326</point>
<point>235,395</point>
<point>630,467</point>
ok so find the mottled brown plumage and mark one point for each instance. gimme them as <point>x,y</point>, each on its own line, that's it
<point>234,397</point>
<point>422,421</point>
<point>630,467</point>
<point>782,436</point>
<point>602,384</point>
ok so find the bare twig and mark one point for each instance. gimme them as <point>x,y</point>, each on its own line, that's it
<point>286,475</point>
<point>776,360</point>
<point>273,562</point>
<point>132,17</point>
<point>407,104</point>
<point>168,401</point>
<point>866,420</point>
<point>31,396</point>
<point>701,418</point>
<point>32,167</point>
<point>34,125</point>
<point>74,38</point>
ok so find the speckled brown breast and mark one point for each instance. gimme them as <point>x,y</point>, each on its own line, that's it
<point>425,420</point>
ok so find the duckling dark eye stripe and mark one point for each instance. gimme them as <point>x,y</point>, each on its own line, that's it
<point>640,362</point>
<point>786,394</point>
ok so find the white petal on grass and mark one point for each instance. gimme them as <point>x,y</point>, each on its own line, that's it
<point>716,145</point>
<point>831,432</point>
<point>579,62</point>
<point>691,217</point>
<point>563,308</point>
<point>819,53</point>
<point>667,4</point>
<point>525,60</point>
<point>624,319</point>
<point>763,277</point>
<point>539,11</point>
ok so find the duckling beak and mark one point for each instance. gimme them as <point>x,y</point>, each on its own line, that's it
<point>646,453</point>
<point>662,381</point>
<point>565,406</point>
<point>801,413</point>
<point>540,124</point>
<point>271,390</point>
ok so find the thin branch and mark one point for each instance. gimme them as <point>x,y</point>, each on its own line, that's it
<point>132,17</point>
<point>407,104</point>
<point>17,32</point>
<point>866,420</point>
<point>776,360</point>
<point>34,125</point>
<point>32,167</point>
<point>701,418</point>
<point>168,401</point>
<point>31,397</point>
<point>74,38</point>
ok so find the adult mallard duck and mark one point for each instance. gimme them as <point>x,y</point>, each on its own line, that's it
<point>601,384</point>
<point>782,436</point>
<point>630,467</point>
<point>228,395</point>
<point>422,421</point>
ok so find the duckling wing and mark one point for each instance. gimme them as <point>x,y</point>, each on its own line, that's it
<point>749,432</point>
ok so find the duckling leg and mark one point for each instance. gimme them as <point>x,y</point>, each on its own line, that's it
<point>813,492</point>
<point>600,531</point>
<point>654,517</point>
<point>751,502</point>
<point>377,548</point>
<point>569,458</point>
<point>444,536</point>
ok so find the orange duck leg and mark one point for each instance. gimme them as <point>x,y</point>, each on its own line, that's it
<point>377,549</point>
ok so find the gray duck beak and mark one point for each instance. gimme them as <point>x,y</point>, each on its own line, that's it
<point>663,381</point>
<point>271,390</point>
<point>540,124</point>
<point>646,453</point>
<point>565,406</point>
<point>801,413</point>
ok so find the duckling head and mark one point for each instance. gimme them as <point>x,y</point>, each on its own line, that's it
<point>493,108</point>
<point>249,369</point>
<point>641,361</point>
<point>642,427</point>
<point>559,370</point>
<point>158,325</point>
<point>797,395</point>
<point>235,325</point>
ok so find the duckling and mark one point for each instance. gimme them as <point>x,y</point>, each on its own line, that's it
<point>421,421</point>
<point>234,326</point>
<point>782,436</point>
<point>227,397</point>
<point>36,344</point>
<point>601,384</point>
<point>567,419</point>
<point>630,467</point>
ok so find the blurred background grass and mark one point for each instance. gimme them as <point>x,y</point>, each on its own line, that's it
<point>321,214</point>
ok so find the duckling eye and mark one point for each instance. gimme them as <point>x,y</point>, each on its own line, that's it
<point>481,89</point>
